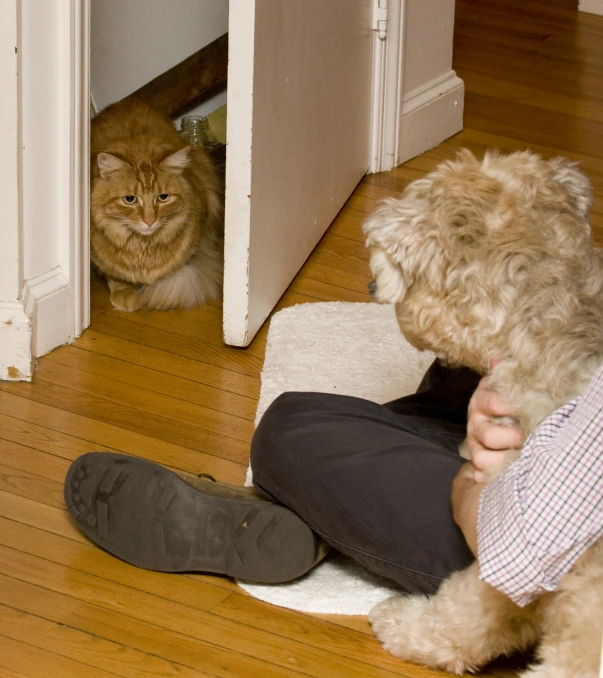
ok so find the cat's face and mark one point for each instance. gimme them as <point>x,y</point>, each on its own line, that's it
<point>145,198</point>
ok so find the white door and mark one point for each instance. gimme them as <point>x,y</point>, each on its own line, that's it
<point>299,98</point>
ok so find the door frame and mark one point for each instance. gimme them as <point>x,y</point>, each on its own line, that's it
<point>44,299</point>
<point>408,119</point>
<point>44,121</point>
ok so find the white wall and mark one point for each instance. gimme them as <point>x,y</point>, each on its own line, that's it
<point>10,282</point>
<point>591,7</point>
<point>15,326</point>
<point>428,43</point>
<point>134,41</point>
<point>432,94</point>
<point>41,193</point>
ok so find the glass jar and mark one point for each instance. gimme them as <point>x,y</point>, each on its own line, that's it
<point>195,131</point>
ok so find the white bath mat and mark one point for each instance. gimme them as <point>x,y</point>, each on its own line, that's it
<point>352,349</point>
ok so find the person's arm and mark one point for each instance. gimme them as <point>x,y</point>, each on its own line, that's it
<point>535,520</point>
<point>465,501</point>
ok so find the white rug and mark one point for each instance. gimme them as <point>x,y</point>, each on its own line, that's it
<point>352,349</point>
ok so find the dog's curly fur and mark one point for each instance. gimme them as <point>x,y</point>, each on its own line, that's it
<point>494,258</point>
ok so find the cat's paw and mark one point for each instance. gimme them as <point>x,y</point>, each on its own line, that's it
<point>126,299</point>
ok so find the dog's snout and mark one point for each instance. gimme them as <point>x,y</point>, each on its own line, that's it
<point>372,288</point>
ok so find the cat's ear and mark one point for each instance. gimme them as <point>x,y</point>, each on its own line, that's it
<point>107,164</point>
<point>177,162</point>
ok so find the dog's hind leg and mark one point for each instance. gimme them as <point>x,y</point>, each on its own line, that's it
<point>466,624</point>
<point>572,622</point>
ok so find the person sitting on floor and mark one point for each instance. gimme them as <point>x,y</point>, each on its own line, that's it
<point>372,481</point>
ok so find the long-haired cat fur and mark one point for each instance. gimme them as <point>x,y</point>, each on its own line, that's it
<point>156,211</point>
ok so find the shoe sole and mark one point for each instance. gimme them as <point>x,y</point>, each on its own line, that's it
<point>148,516</point>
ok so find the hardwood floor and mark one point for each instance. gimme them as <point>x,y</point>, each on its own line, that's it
<point>162,386</point>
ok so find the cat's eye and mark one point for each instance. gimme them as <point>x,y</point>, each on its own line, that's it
<point>130,199</point>
<point>163,197</point>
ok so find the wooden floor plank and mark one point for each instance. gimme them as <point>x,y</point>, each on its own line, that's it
<point>129,418</point>
<point>174,647</point>
<point>166,362</point>
<point>325,291</point>
<point>125,372</point>
<point>24,660</point>
<point>73,430</point>
<point>350,635</point>
<point>38,540</point>
<point>222,357</point>
<point>38,601</point>
<point>91,650</point>
<point>182,624</point>
<point>183,323</point>
<point>31,460</point>
<point>150,402</point>
<point>303,628</point>
<point>21,483</point>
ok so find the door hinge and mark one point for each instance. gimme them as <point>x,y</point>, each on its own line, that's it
<point>380,18</point>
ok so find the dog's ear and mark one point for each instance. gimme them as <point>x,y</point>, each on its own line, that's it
<point>402,242</point>
<point>386,232</point>
<point>389,283</point>
<point>575,183</point>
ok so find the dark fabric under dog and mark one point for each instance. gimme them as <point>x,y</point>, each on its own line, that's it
<point>374,480</point>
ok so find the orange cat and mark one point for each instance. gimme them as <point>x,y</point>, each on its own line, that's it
<point>156,212</point>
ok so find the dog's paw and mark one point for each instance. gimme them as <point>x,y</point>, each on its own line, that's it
<point>398,623</point>
<point>410,628</point>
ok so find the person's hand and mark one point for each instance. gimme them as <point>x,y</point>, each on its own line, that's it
<point>490,444</point>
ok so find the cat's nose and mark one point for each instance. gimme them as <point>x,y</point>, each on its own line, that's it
<point>150,222</point>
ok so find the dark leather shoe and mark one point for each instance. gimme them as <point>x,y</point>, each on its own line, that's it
<point>152,518</point>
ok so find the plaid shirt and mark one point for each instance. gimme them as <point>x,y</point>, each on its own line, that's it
<point>536,519</point>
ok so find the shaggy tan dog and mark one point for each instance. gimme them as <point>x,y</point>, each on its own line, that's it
<point>484,259</point>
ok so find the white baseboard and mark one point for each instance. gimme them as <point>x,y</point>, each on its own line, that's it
<point>16,361</point>
<point>33,327</point>
<point>430,116</point>
<point>47,302</point>
<point>591,6</point>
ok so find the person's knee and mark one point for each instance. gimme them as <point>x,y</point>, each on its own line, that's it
<point>276,422</point>
<point>277,442</point>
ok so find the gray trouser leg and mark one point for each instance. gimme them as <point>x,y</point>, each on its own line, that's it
<point>373,480</point>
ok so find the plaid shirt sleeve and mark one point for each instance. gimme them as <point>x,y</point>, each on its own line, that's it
<point>536,519</point>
